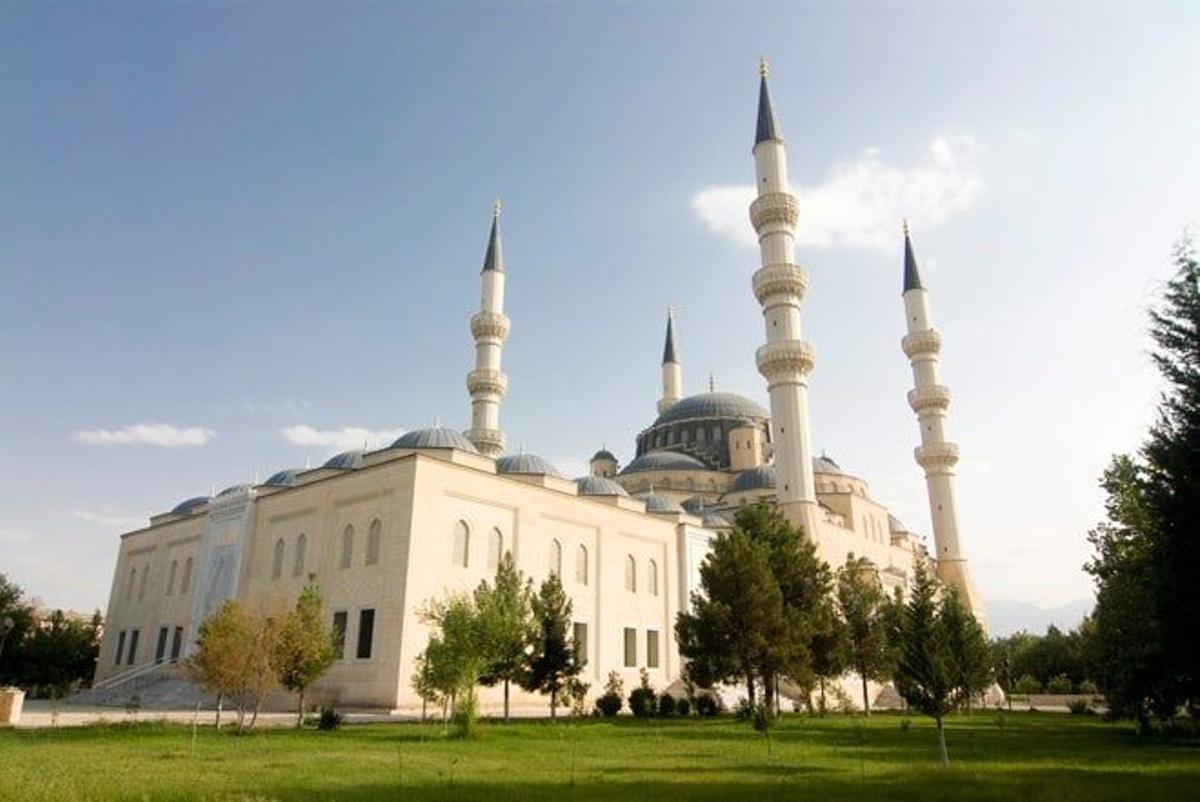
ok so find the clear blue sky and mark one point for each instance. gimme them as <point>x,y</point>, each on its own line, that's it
<point>243,218</point>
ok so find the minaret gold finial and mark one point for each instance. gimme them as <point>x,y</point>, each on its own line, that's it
<point>905,219</point>
<point>496,207</point>
<point>763,68</point>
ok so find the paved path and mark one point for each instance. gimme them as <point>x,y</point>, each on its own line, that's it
<point>41,713</point>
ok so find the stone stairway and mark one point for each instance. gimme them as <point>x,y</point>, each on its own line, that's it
<point>162,687</point>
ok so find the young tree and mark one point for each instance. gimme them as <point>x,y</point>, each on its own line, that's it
<point>302,648</point>
<point>553,660</point>
<point>926,674</point>
<point>16,623</point>
<point>232,658</point>
<point>831,654</point>
<point>861,601</point>
<point>455,656</point>
<point>506,625</point>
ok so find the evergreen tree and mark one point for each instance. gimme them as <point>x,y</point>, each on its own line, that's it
<point>303,646</point>
<point>968,647</point>
<point>830,653</point>
<point>507,626</point>
<point>553,660</point>
<point>861,600</point>
<point>926,674</point>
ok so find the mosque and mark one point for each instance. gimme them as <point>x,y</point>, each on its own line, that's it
<point>384,531</point>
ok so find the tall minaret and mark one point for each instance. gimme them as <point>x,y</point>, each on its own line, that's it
<point>487,383</point>
<point>936,454</point>
<point>672,372</point>
<point>779,285</point>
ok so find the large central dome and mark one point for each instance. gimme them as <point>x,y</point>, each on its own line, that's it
<point>722,406</point>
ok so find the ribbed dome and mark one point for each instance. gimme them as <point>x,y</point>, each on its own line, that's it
<point>435,437</point>
<point>605,454</point>
<point>232,490</point>
<point>526,464</point>
<point>284,478</point>
<point>717,520</point>
<point>656,503</point>
<point>346,461</point>
<point>600,486</point>
<point>664,461</point>
<point>694,505</point>
<point>713,405</point>
<point>190,506</point>
<point>760,477</point>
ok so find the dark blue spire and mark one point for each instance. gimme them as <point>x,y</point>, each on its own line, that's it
<point>669,346</point>
<point>912,276</point>
<point>766,129</point>
<point>494,258</point>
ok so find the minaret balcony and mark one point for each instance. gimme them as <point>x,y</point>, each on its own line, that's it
<point>490,442</point>
<point>937,457</point>
<point>490,324</point>
<point>774,210</point>
<point>922,342</point>
<point>931,396</point>
<point>487,382</point>
<point>780,358</point>
<point>780,279</point>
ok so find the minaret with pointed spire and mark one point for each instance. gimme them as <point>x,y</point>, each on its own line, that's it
<point>779,284</point>
<point>487,383</point>
<point>936,455</point>
<point>672,371</point>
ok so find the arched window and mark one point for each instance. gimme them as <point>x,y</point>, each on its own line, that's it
<point>298,560</point>
<point>373,536</point>
<point>581,564</point>
<point>630,573</point>
<point>347,546</point>
<point>495,549</point>
<point>277,563</point>
<point>462,544</point>
<point>142,584</point>
<point>556,558</point>
<point>652,578</point>
<point>171,577</point>
<point>186,584</point>
<point>132,584</point>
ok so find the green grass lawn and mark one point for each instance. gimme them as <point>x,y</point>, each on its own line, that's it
<point>1022,756</point>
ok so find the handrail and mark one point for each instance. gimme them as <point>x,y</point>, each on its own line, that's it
<point>124,676</point>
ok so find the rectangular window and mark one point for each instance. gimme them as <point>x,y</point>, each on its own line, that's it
<point>160,648</point>
<point>630,647</point>
<point>177,643</point>
<point>651,648</point>
<point>133,639</point>
<point>339,634</point>
<point>581,642</point>
<point>366,633</point>
<point>120,647</point>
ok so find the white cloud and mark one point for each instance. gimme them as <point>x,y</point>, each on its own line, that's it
<point>147,434</point>
<point>122,523</point>
<point>860,204</point>
<point>345,438</point>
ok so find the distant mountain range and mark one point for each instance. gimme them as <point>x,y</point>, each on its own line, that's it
<point>1006,616</point>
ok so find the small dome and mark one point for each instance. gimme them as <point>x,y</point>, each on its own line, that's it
<point>694,505</point>
<point>604,454</point>
<point>435,437</point>
<point>760,477</point>
<point>656,503</point>
<point>284,478</point>
<point>895,524</point>
<point>713,405</point>
<point>824,464</point>
<point>717,520</point>
<point>346,461</point>
<point>190,506</point>
<point>599,486</point>
<point>525,464</point>
<point>233,490</point>
<point>664,461</point>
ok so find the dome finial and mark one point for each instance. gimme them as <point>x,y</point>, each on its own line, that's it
<point>712,382</point>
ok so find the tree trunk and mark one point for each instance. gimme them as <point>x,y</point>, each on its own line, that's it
<point>257,706</point>
<point>750,689</point>
<point>553,705</point>
<point>505,701</point>
<point>424,708</point>
<point>300,709</point>
<point>866,699</point>
<point>220,699</point>
<point>822,682</point>
<point>942,742</point>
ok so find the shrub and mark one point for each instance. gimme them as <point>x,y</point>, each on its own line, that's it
<point>330,719</point>
<point>1088,687</point>
<point>683,707</point>
<point>1079,706</point>
<point>905,724</point>
<point>707,705</point>
<point>1059,684</point>
<point>641,702</point>
<point>666,705</point>
<point>608,705</point>
<point>744,710</point>
<point>1028,684</point>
